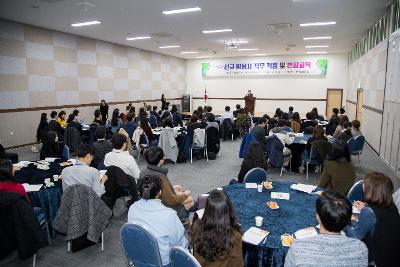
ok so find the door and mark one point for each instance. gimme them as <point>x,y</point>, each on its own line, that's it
<point>333,100</point>
<point>359,110</point>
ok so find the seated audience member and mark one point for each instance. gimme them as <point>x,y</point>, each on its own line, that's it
<point>101,147</point>
<point>285,118</point>
<point>121,158</point>
<point>7,180</point>
<point>97,117</point>
<point>340,127</point>
<point>254,158</point>
<point>338,174</point>
<point>155,114</point>
<point>116,122</point>
<point>73,122</point>
<point>227,115</point>
<point>42,129</point>
<point>82,173</point>
<point>237,111</point>
<point>333,122</point>
<point>122,116</point>
<point>317,115</point>
<point>61,118</point>
<point>176,116</point>
<point>217,237</point>
<point>278,113</point>
<point>281,132</point>
<point>258,131</point>
<point>342,112</point>
<point>207,113</point>
<point>247,122</point>
<point>200,112</point>
<point>161,221</point>
<point>318,134</point>
<point>295,122</point>
<point>239,119</point>
<point>50,148</point>
<point>54,125</point>
<point>346,134</point>
<point>211,121</point>
<point>144,124</point>
<point>171,196</point>
<point>355,128</point>
<point>308,122</point>
<point>330,247</point>
<point>290,113</point>
<point>267,119</point>
<point>194,124</point>
<point>379,221</point>
<point>130,126</point>
<point>396,199</point>
<point>8,155</point>
<point>280,128</point>
<point>271,125</point>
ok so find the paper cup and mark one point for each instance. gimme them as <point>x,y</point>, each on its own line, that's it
<point>219,188</point>
<point>47,180</point>
<point>259,220</point>
<point>259,188</point>
<point>55,178</point>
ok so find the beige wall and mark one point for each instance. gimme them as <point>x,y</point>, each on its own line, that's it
<point>44,68</point>
<point>369,73</point>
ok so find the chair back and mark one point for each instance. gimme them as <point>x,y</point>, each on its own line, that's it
<point>182,258</point>
<point>140,247</point>
<point>350,145</point>
<point>356,192</point>
<point>153,121</point>
<point>313,156</point>
<point>65,154</point>
<point>255,175</point>
<point>199,138</point>
<point>358,145</point>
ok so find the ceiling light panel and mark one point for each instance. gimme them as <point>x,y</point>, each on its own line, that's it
<point>317,24</point>
<point>169,46</point>
<point>183,10</point>
<point>87,23</point>
<point>318,38</point>
<point>317,52</point>
<point>138,38</point>
<point>317,46</point>
<point>217,31</point>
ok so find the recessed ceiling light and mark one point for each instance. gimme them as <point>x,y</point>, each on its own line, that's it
<point>169,46</point>
<point>203,57</point>
<point>317,38</point>
<point>237,42</point>
<point>317,24</point>
<point>88,23</point>
<point>138,38</point>
<point>317,52</point>
<point>247,49</point>
<point>317,46</point>
<point>258,55</point>
<point>189,52</point>
<point>217,31</point>
<point>184,10</point>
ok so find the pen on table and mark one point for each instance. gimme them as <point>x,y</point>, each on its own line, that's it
<point>265,240</point>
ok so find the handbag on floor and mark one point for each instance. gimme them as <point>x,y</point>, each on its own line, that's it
<point>121,206</point>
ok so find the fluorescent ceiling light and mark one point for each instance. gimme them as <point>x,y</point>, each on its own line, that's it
<point>317,24</point>
<point>317,38</point>
<point>217,31</point>
<point>317,46</point>
<point>184,10</point>
<point>237,42</point>
<point>137,38</point>
<point>169,46</point>
<point>258,55</point>
<point>317,52</point>
<point>202,57</point>
<point>247,49</point>
<point>189,52</point>
<point>88,23</point>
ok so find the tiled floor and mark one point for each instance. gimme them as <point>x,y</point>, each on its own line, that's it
<point>198,177</point>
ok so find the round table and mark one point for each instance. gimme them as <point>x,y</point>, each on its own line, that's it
<point>294,214</point>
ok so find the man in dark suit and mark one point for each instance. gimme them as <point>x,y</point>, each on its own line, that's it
<point>310,121</point>
<point>101,147</point>
<point>55,126</point>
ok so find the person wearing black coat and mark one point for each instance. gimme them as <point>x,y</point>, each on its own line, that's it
<point>50,148</point>
<point>55,126</point>
<point>104,110</point>
<point>254,159</point>
<point>42,129</point>
<point>119,184</point>
<point>19,227</point>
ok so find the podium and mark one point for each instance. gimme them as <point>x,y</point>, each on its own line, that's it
<point>250,103</point>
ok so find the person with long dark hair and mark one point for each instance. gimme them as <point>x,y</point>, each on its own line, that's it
<point>379,221</point>
<point>254,159</point>
<point>104,110</point>
<point>42,129</point>
<point>97,117</point>
<point>217,238</point>
<point>176,116</point>
<point>338,174</point>
<point>295,122</point>
<point>116,122</point>
<point>144,124</point>
<point>7,180</point>
<point>340,128</point>
<point>61,118</point>
<point>346,133</point>
<point>161,221</point>
<point>50,148</point>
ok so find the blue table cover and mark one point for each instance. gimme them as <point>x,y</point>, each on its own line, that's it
<point>294,214</point>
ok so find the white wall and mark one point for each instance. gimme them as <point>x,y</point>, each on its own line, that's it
<point>312,87</point>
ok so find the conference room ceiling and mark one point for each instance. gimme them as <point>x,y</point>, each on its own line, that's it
<point>248,20</point>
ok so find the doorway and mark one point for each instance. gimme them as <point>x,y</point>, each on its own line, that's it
<point>359,108</point>
<point>333,100</point>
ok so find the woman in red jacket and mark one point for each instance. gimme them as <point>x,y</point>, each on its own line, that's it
<point>7,180</point>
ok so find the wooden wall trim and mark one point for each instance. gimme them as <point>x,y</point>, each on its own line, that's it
<point>351,102</point>
<point>81,105</point>
<point>264,99</point>
<point>376,110</point>
<point>29,144</point>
